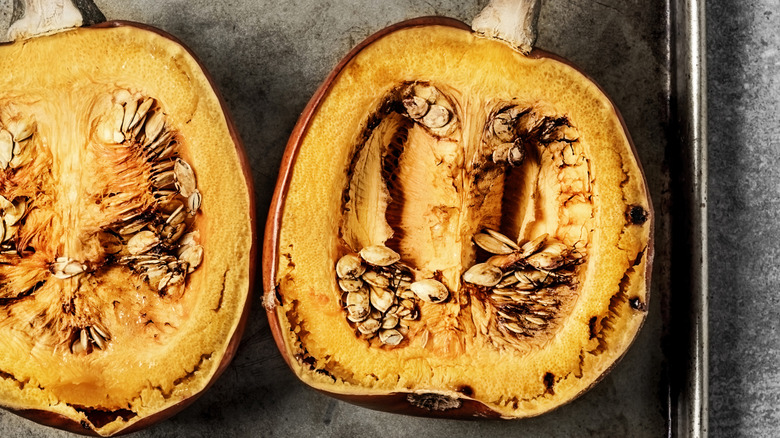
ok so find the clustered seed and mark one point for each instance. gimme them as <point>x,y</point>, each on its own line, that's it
<point>505,143</point>
<point>11,213</point>
<point>380,295</point>
<point>13,139</point>
<point>153,243</point>
<point>521,281</point>
<point>426,105</point>
<point>88,338</point>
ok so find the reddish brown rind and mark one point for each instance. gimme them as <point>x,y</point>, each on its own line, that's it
<point>82,428</point>
<point>393,401</point>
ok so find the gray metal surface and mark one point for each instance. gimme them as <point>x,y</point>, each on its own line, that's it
<point>744,102</point>
<point>268,57</point>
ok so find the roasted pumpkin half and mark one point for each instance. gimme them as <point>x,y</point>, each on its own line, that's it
<point>126,225</point>
<point>458,229</point>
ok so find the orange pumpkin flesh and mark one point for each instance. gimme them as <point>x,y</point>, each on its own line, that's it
<point>109,339</point>
<point>363,171</point>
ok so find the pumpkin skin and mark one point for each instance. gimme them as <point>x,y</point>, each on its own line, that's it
<point>129,385</point>
<point>305,236</point>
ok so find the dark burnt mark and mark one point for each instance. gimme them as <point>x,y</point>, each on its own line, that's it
<point>615,303</point>
<point>308,360</point>
<point>221,291</point>
<point>188,376</point>
<point>101,417</point>
<point>325,373</point>
<point>466,390</point>
<point>638,258</point>
<point>592,327</point>
<point>7,376</point>
<point>637,304</point>
<point>374,120</point>
<point>578,373</point>
<point>549,382</point>
<point>636,215</point>
<point>390,165</point>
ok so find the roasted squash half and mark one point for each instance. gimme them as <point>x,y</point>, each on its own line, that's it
<point>126,227</point>
<point>458,229</point>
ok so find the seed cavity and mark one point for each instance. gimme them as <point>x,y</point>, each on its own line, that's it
<point>415,179</point>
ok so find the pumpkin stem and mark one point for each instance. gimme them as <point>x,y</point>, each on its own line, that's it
<point>512,21</point>
<point>37,17</point>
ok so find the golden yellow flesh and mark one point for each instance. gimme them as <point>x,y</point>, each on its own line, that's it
<point>162,348</point>
<point>454,345</point>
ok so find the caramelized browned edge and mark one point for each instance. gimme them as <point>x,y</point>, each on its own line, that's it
<point>60,422</point>
<point>392,402</point>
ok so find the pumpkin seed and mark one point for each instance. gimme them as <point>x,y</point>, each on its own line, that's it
<point>390,321</point>
<point>376,279</point>
<point>350,285</point>
<point>549,258</point>
<point>193,202</point>
<point>358,298</point>
<point>508,280</point>
<point>96,338</point>
<point>14,213</point>
<point>84,339</point>
<point>416,106</point>
<point>381,298</point>
<point>154,126</point>
<point>350,266</point>
<point>192,255</point>
<point>390,337</point>
<point>64,268</point>
<point>436,117</point>
<point>491,244</point>
<point>430,290</point>
<point>483,274</point>
<point>534,245</point>
<point>129,112</point>
<point>369,326</point>
<point>516,154</point>
<point>20,129</point>
<point>514,328</point>
<point>357,313</point>
<point>379,255</point>
<point>6,149</point>
<point>190,238</point>
<point>535,320</point>
<point>142,242</point>
<point>185,178</point>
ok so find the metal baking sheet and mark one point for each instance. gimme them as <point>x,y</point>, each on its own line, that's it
<point>268,57</point>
